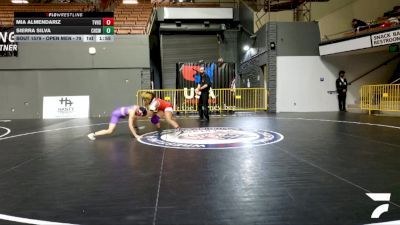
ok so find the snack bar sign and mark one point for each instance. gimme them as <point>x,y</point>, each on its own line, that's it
<point>385,38</point>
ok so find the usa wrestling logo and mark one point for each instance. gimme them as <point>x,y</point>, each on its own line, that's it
<point>211,138</point>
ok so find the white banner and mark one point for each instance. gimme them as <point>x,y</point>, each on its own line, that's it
<point>55,107</point>
<point>197,13</point>
<point>386,38</point>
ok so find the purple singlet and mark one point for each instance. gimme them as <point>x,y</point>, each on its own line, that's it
<point>121,112</point>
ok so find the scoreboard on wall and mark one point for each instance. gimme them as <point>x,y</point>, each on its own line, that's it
<point>64,26</point>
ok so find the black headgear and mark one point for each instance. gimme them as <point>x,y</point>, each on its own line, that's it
<point>144,110</point>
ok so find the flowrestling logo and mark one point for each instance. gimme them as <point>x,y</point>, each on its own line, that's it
<point>211,138</point>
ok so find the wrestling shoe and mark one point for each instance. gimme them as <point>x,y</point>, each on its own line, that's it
<point>91,136</point>
<point>178,131</point>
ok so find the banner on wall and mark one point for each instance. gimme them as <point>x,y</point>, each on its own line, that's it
<point>8,46</point>
<point>221,74</point>
<point>58,107</point>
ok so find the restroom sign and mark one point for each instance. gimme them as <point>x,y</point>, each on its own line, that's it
<point>385,38</point>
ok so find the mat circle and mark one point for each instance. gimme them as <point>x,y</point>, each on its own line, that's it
<point>211,138</point>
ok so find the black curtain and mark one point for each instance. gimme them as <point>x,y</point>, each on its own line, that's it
<point>396,75</point>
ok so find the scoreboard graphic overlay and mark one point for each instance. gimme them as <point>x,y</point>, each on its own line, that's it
<point>64,26</point>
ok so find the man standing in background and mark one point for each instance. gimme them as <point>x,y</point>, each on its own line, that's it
<point>341,88</point>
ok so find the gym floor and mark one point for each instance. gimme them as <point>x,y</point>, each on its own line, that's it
<point>318,172</point>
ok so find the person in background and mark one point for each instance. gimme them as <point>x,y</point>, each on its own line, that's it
<point>341,88</point>
<point>358,25</point>
<point>394,12</point>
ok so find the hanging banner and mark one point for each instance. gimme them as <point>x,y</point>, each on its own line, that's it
<point>57,107</point>
<point>221,74</point>
<point>8,46</point>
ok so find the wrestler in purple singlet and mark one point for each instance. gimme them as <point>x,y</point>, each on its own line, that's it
<point>121,112</point>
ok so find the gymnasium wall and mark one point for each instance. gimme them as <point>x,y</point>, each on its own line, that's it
<point>356,64</point>
<point>293,40</point>
<point>192,47</point>
<point>335,16</point>
<point>297,39</point>
<point>246,16</point>
<point>185,48</point>
<point>304,82</point>
<point>111,77</point>
<point>261,17</point>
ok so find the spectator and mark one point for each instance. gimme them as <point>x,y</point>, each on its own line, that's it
<point>358,25</point>
<point>341,88</point>
<point>393,13</point>
<point>393,21</point>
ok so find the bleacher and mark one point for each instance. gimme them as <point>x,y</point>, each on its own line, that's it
<point>132,19</point>
<point>7,10</point>
<point>377,25</point>
<point>380,24</point>
<point>190,4</point>
<point>129,19</point>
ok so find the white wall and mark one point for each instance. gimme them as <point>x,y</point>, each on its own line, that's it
<point>357,64</point>
<point>299,88</point>
<point>346,46</point>
<point>298,79</point>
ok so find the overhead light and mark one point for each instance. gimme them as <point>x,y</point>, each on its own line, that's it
<point>19,1</point>
<point>92,50</point>
<point>246,47</point>
<point>130,2</point>
<point>272,45</point>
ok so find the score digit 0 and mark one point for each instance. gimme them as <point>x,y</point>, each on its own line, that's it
<point>108,21</point>
<point>108,30</point>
